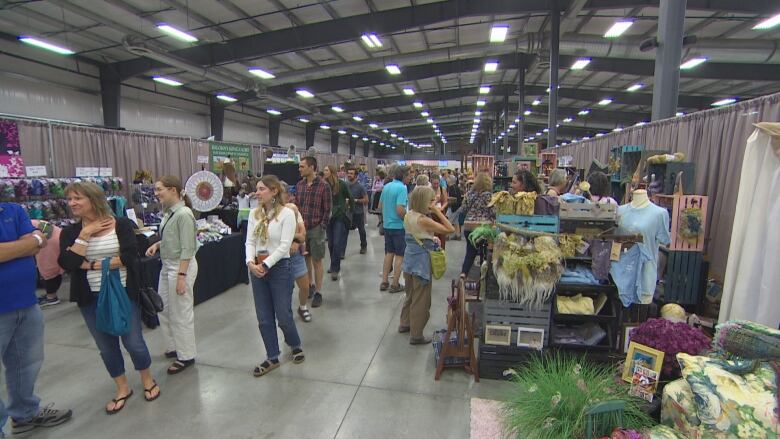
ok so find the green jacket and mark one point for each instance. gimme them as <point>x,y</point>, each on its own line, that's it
<point>342,201</point>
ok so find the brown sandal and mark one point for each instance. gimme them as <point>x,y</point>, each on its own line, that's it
<point>116,401</point>
<point>150,390</point>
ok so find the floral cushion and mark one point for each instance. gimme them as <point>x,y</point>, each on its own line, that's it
<point>678,409</point>
<point>733,397</point>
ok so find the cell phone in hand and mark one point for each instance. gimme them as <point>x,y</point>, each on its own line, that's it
<point>46,228</point>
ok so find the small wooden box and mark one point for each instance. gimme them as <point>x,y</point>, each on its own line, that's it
<point>681,215</point>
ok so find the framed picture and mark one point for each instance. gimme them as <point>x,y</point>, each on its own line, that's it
<point>530,338</point>
<point>500,335</point>
<point>644,356</point>
<point>625,336</point>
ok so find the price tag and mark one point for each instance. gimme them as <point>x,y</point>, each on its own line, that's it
<point>614,255</point>
<point>87,172</point>
<point>35,171</point>
<point>106,172</point>
<point>203,159</point>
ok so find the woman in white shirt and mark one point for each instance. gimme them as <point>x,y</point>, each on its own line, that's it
<point>269,238</point>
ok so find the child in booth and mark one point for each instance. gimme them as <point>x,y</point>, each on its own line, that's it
<point>46,260</point>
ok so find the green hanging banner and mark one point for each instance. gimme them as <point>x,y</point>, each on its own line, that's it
<point>220,152</point>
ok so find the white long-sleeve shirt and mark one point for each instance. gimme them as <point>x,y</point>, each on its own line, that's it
<point>281,232</point>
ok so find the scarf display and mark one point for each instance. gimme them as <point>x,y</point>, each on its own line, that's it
<point>527,270</point>
<point>522,203</point>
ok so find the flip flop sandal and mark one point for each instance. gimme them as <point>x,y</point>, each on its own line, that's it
<point>265,367</point>
<point>150,390</point>
<point>179,366</point>
<point>117,401</point>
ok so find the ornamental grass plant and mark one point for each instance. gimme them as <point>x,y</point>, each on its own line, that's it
<point>552,392</point>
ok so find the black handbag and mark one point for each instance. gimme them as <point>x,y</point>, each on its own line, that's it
<point>151,302</point>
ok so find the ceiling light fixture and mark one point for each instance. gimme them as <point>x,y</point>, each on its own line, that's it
<point>491,66</point>
<point>605,101</point>
<point>679,114</point>
<point>484,90</point>
<point>337,109</point>
<point>273,112</point>
<point>46,45</point>
<point>635,87</point>
<point>371,40</point>
<point>342,131</point>
<point>302,92</point>
<point>167,81</point>
<point>226,98</point>
<point>481,103</point>
<point>640,123</point>
<point>373,125</point>
<point>303,119</point>
<point>691,63</point>
<point>723,102</point>
<point>357,118</point>
<point>580,64</point>
<point>617,130</point>
<point>768,23</point>
<point>394,135</point>
<point>584,112</point>
<point>176,33</point>
<point>264,74</point>
<point>385,131</point>
<point>618,28</point>
<point>425,114</point>
<point>498,34</point>
<point>354,136</point>
<point>418,104</point>
<point>429,120</point>
<point>536,102</point>
<point>409,91</point>
<point>567,119</point>
<point>517,120</point>
<point>365,139</point>
<point>325,126</point>
<point>393,69</point>
<point>527,112</point>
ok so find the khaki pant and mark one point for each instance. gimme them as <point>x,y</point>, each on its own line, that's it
<point>417,306</point>
<point>177,319</point>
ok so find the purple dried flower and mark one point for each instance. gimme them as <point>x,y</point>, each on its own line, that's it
<point>670,338</point>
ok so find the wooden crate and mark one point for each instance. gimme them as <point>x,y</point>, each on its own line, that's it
<point>678,208</point>
<point>495,361</point>
<point>497,312</point>
<point>588,211</point>
<point>667,172</point>
<point>537,223</point>
<point>683,277</point>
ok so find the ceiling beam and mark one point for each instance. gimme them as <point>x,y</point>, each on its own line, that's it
<point>337,31</point>
<point>744,6</point>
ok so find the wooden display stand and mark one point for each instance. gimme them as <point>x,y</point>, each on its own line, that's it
<point>459,322</point>
<point>483,163</point>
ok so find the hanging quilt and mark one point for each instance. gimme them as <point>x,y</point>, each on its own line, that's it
<point>11,163</point>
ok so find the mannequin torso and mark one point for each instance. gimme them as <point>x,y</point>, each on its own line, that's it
<point>639,199</point>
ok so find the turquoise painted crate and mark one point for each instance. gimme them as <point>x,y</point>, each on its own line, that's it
<point>537,223</point>
<point>683,277</point>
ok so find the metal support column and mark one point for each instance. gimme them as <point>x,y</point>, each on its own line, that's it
<point>505,149</point>
<point>520,110</point>
<point>217,114</point>
<point>555,40</point>
<point>273,131</point>
<point>334,142</point>
<point>110,96</point>
<point>311,129</point>
<point>365,149</point>
<point>352,145</point>
<point>666,82</point>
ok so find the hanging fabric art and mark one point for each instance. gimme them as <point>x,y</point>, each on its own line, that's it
<point>526,270</point>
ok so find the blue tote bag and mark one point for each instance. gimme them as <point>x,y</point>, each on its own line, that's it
<point>113,311</point>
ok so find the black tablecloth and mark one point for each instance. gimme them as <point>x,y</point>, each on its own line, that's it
<point>227,216</point>
<point>220,267</point>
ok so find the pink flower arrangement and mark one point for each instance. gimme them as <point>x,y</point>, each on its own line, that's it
<point>670,338</point>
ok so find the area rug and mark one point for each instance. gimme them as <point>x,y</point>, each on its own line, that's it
<point>486,419</point>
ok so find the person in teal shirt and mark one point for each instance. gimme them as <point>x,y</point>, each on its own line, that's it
<point>393,203</point>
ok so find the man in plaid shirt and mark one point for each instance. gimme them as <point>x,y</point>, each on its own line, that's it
<point>314,200</point>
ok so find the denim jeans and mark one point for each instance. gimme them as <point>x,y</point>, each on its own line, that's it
<point>337,242</point>
<point>471,255</point>
<point>21,344</point>
<point>273,302</point>
<point>359,220</point>
<point>108,345</point>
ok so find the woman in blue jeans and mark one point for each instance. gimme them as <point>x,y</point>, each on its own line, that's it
<point>83,246</point>
<point>268,240</point>
<point>337,226</point>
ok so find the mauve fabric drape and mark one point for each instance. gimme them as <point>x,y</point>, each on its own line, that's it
<point>714,140</point>
<point>34,141</point>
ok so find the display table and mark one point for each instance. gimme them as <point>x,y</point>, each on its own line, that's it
<point>220,267</point>
<point>227,216</point>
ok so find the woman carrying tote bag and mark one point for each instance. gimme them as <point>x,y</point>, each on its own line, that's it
<point>83,246</point>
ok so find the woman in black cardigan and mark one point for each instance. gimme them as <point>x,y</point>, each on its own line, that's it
<point>83,247</point>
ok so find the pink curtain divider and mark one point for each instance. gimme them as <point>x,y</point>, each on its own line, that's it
<point>714,140</point>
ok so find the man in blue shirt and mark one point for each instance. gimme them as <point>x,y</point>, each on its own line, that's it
<point>393,203</point>
<point>21,323</point>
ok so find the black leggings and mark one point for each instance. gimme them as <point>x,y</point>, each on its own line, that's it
<point>52,285</point>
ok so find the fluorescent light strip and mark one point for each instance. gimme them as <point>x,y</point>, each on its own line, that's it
<point>325,126</point>
<point>484,90</point>
<point>580,64</point>
<point>536,102</point>
<point>584,112</point>
<point>375,39</point>
<point>393,69</point>
<point>357,118</point>
<point>226,98</point>
<point>342,132</point>
<point>635,87</point>
<point>418,104</point>
<point>618,28</point>
<point>373,125</point>
<point>409,91</point>
<point>303,119</point>
<point>498,34</point>
<point>691,63</point>
<point>491,66</point>
<point>527,112</point>
<point>304,93</point>
<point>176,33</point>
<point>723,102</point>
<point>481,103</point>
<point>264,74</point>
<point>768,23</point>
<point>567,120</point>
<point>45,45</point>
<point>167,81</point>
<point>273,112</point>
<point>337,109</point>
<point>425,114</point>
<point>605,101</point>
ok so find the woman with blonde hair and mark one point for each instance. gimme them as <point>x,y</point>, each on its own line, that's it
<point>476,209</point>
<point>269,237</point>
<point>420,231</point>
<point>98,236</point>
<point>337,226</point>
<point>177,247</point>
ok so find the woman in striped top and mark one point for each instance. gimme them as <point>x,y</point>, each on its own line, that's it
<point>83,246</point>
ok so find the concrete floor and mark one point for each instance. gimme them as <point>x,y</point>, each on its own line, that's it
<point>361,379</point>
